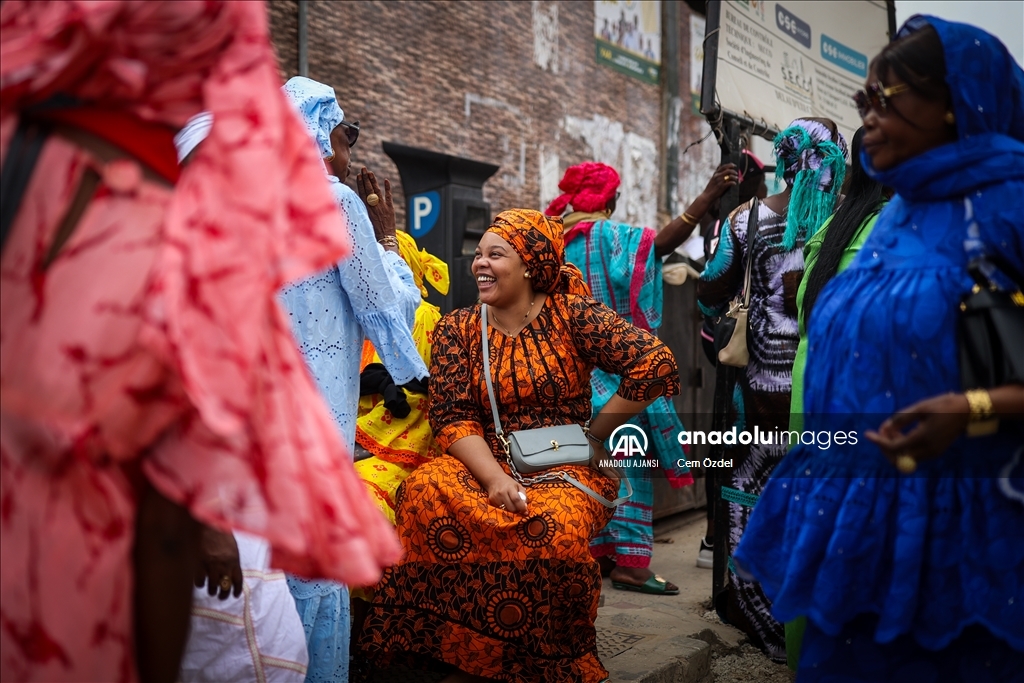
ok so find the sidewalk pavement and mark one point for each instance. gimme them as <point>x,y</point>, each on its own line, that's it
<point>665,639</point>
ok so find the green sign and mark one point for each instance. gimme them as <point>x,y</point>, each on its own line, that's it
<point>627,62</point>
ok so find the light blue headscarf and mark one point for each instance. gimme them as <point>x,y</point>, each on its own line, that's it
<point>318,107</point>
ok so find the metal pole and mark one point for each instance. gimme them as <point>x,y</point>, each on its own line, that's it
<point>708,105</point>
<point>725,380</point>
<point>303,39</point>
<point>671,106</point>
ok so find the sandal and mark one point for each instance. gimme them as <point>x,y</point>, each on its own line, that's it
<point>655,585</point>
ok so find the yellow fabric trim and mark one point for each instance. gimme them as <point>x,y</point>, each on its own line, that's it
<point>426,268</point>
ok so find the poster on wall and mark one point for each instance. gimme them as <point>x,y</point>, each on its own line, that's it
<point>627,35</point>
<point>781,60</point>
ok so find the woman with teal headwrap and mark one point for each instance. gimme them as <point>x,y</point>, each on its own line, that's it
<point>811,159</point>
<point>915,573</point>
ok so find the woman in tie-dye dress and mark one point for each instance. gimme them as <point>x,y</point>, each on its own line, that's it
<point>811,158</point>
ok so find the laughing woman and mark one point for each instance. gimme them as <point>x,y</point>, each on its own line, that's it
<point>498,580</point>
<point>915,573</point>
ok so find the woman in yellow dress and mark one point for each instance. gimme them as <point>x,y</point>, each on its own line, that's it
<point>400,444</point>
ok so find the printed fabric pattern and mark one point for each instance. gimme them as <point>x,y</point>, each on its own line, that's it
<point>398,445</point>
<point>618,262</point>
<point>154,338</point>
<point>501,595</point>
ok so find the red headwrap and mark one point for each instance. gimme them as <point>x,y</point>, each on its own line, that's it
<point>538,241</point>
<point>587,187</point>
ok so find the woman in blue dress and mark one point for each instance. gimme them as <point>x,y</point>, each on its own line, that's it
<point>913,572</point>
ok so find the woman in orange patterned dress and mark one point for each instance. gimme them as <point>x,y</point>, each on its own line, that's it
<point>497,579</point>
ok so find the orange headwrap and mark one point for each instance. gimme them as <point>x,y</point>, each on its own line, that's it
<point>538,241</point>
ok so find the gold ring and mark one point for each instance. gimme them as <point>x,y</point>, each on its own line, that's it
<point>225,583</point>
<point>372,199</point>
<point>906,464</point>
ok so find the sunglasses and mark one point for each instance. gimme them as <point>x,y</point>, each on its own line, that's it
<point>351,131</point>
<point>876,97</point>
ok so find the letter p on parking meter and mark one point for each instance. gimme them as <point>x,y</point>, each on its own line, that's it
<point>423,212</point>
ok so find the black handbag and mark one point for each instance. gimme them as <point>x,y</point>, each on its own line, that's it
<point>991,326</point>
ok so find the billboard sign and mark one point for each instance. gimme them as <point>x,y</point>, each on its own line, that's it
<point>777,61</point>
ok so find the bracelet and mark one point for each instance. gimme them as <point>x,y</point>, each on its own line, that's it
<point>982,420</point>
<point>594,439</point>
<point>388,242</point>
<point>688,219</point>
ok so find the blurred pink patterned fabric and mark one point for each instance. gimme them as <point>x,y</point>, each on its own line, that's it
<point>154,337</point>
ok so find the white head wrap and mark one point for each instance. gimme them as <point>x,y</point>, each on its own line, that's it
<point>195,131</point>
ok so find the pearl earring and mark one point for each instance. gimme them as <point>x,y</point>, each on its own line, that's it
<point>950,118</point>
<point>526,274</point>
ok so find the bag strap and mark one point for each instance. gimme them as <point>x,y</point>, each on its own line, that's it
<point>487,376</point>
<point>753,218</point>
<point>597,496</point>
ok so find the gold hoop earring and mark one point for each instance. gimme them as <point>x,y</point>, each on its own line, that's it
<point>950,118</point>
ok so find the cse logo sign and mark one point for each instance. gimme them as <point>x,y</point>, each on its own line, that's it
<point>627,441</point>
<point>423,212</point>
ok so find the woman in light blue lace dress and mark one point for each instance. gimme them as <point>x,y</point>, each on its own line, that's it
<point>370,295</point>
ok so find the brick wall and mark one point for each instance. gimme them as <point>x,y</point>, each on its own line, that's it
<point>509,83</point>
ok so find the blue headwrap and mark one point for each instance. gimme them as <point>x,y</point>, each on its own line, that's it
<point>987,90</point>
<point>815,167</point>
<point>986,84</point>
<point>318,108</point>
